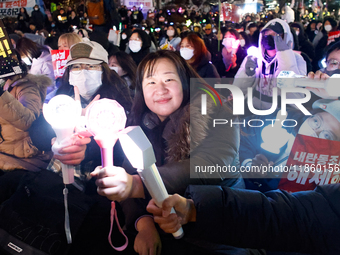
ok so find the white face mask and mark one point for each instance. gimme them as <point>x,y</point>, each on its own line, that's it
<point>228,43</point>
<point>186,53</point>
<point>135,46</point>
<point>36,9</point>
<point>124,36</point>
<point>87,82</point>
<point>114,68</point>
<point>242,42</point>
<point>27,61</point>
<point>170,33</point>
<point>328,28</point>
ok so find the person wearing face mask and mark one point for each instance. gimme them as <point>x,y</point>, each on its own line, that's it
<point>139,45</point>
<point>332,57</point>
<point>124,39</point>
<point>275,54</point>
<point>244,40</point>
<point>321,40</point>
<point>232,54</point>
<point>37,18</point>
<point>87,69</point>
<point>194,51</point>
<point>304,44</point>
<point>171,40</point>
<point>37,57</point>
<point>123,64</point>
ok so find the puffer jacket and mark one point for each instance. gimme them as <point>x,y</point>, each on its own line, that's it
<point>264,79</point>
<point>21,104</point>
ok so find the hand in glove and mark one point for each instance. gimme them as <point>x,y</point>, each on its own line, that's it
<point>251,66</point>
<point>282,44</point>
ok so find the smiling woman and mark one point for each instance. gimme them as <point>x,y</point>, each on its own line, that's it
<point>181,139</point>
<point>162,89</point>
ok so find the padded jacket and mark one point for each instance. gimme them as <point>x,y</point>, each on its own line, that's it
<point>21,104</point>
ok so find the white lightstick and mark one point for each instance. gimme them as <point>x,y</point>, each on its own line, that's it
<point>274,136</point>
<point>139,152</point>
<point>104,119</point>
<point>63,113</point>
<point>253,51</point>
<point>289,79</point>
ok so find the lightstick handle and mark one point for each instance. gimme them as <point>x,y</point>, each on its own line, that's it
<point>68,173</point>
<point>154,184</point>
<point>107,156</point>
<point>305,82</point>
<point>62,135</point>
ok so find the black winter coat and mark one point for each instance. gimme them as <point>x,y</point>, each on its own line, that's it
<point>178,152</point>
<point>306,222</point>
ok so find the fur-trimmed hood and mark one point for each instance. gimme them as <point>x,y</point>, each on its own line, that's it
<point>42,82</point>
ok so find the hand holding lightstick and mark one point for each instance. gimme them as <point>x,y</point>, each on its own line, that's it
<point>104,119</point>
<point>289,79</point>
<point>63,113</point>
<point>139,152</point>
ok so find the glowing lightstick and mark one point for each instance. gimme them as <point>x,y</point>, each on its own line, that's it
<point>139,152</point>
<point>274,136</point>
<point>289,79</point>
<point>104,119</point>
<point>63,113</point>
<point>253,51</point>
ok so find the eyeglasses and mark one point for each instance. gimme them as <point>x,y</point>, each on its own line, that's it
<point>79,67</point>
<point>332,64</point>
<point>316,123</point>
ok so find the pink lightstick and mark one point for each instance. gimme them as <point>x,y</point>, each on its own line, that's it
<point>104,119</point>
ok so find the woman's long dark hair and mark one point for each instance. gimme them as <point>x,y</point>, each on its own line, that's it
<point>27,47</point>
<point>184,70</point>
<point>113,87</point>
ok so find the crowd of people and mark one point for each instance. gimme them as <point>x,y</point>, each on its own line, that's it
<point>156,70</point>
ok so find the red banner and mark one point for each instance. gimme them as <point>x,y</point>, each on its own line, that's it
<point>59,59</point>
<point>332,36</point>
<point>313,161</point>
<point>229,12</point>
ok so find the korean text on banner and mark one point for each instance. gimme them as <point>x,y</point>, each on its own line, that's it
<point>9,64</point>
<point>59,59</point>
<point>12,8</point>
<point>313,162</point>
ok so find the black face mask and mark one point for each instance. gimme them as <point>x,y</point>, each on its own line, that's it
<point>330,73</point>
<point>268,42</point>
